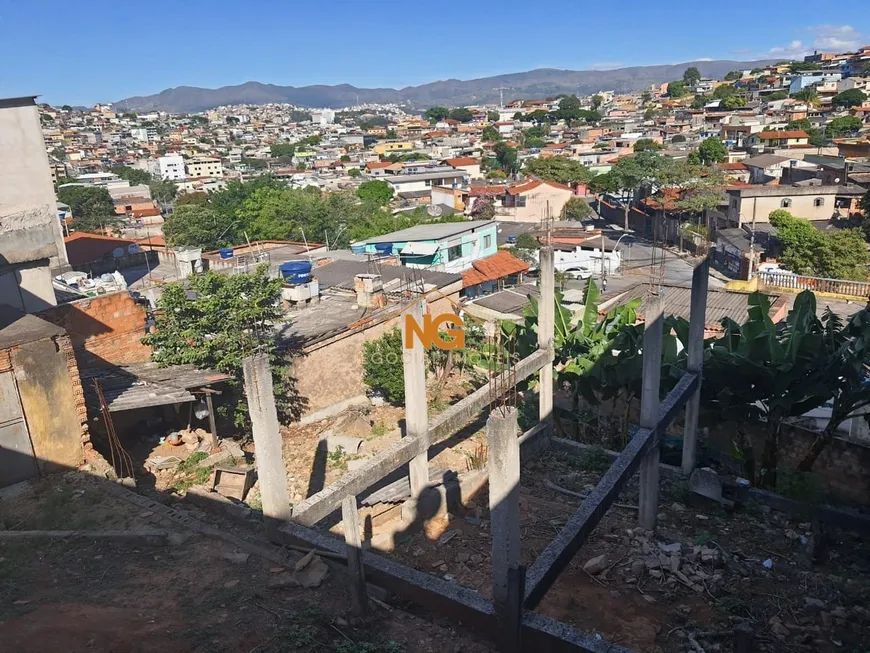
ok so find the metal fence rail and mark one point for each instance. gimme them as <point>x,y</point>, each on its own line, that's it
<point>816,284</point>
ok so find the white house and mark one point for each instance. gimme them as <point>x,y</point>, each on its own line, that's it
<point>170,166</point>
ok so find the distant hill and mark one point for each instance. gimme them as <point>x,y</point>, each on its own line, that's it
<point>539,83</point>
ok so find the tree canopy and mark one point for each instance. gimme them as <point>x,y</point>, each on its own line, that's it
<point>92,207</point>
<point>461,114</point>
<point>506,158</point>
<point>808,94</point>
<point>677,89</point>
<point>712,150</point>
<point>647,145</point>
<point>838,254</point>
<point>434,114</point>
<point>135,176</point>
<point>577,208</point>
<point>377,191</point>
<point>490,134</point>
<point>282,149</point>
<point>843,126</point>
<point>692,76</point>
<point>733,76</point>
<point>558,168</point>
<point>492,116</point>
<point>854,97</point>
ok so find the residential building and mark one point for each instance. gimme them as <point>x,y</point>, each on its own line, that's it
<point>533,200</point>
<point>813,202</point>
<point>467,164</point>
<point>408,186</point>
<point>204,166</point>
<point>168,167</point>
<point>448,247</point>
<point>394,147</point>
<point>770,139</point>
<point>799,82</point>
<point>31,238</point>
<point>144,134</point>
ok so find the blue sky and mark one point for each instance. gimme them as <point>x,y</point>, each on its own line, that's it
<point>87,51</point>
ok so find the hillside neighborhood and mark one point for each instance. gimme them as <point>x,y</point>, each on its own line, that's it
<point>371,379</point>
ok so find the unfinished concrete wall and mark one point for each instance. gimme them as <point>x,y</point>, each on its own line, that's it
<point>332,372</point>
<point>29,229</point>
<point>27,286</point>
<point>105,330</point>
<point>49,401</point>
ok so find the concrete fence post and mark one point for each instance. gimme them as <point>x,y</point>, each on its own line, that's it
<point>546,330</point>
<point>697,324</point>
<point>649,410</point>
<point>416,409</point>
<point>503,465</point>
<point>267,440</point>
<point>350,523</point>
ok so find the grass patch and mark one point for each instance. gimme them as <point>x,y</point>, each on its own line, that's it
<point>337,459</point>
<point>478,456</point>
<point>187,474</point>
<point>379,428</point>
<point>594,459</point>
<point>800,486</point>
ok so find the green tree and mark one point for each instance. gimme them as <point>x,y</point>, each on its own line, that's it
<point>536,116</point>
<point>733,102</point>
<point>376,191</point>
<point>492,116</point>
<point>282,149</point>
<point>677,89</point>
<point>854,97</point>
<point>193,225</point>
<point>692,76</point>
<point>196,199</point>
<point>700,101</point>
<point>233,120</point>
<point>135,176</point>
<point>66,107</point>
<point>577,209</point>
<point>92,207</point>
<point>537,132</point>
<point>839,254</point>
<point>712,150</point>
<point>647,145</point>
<point>216,320</point>
<point>630,173</point>
<point>808,94</point>
<point>254,164</point>
<point>461,114</point>
<point>163,190</point>
<point>725,91</point>
<point>816,137</point>
<point>383,370</point>
<point>344,158</point>
<point>434,114</point>
<point>734,75</point>
<point>559,169</point>
<point>490,134</point>
<point>506,157</point>
<point>804,66</point>
<point>597,101</point>
<point>354,172</point>
<point>843,126</point>
<point>533,142</point>
<point>776,95</point>
<point>801,123</point>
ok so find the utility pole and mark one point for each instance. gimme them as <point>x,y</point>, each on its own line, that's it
<point>751,249</point>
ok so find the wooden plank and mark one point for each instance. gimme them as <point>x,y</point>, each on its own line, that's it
<point>353,540</point>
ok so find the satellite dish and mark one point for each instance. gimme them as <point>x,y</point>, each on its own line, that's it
<point>132,248</point>
<point>118,252</point>
<point>434,210</point>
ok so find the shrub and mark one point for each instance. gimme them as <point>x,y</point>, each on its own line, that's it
<point>382,365</point>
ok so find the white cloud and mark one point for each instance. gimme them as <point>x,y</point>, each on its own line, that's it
<point>825,38</point>
<point>704,59</point>
<point>836,38</point>
<point>606,65</point>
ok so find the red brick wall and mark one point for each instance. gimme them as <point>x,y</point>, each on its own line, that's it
<point>66,348</point>
<point>103,330</point>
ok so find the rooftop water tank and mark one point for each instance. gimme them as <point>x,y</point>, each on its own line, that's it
<point>294,272</point>
<point>226,252</point>
<point>384,248</point>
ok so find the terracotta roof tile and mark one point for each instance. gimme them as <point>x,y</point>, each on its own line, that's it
<point>499,265</point>
<point>797,133</point>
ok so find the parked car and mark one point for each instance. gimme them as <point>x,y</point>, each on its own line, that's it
<point>578,272</point>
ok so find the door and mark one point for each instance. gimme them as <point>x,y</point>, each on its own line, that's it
<point>16,452</point>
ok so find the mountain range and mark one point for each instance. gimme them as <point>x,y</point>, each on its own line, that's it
<point>533,84</point>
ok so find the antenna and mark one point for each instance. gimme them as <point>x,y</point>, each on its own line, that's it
<point>501,90</point>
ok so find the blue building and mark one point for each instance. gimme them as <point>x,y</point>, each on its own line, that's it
<point>449,247</point>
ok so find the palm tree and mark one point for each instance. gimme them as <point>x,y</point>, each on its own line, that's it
<point>809,95</point>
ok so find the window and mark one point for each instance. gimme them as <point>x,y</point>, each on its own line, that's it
<point>785,203</point>
<point>487,242</point>
<point>819,201</point>
<point>454,252</point>
<point>521,200</point>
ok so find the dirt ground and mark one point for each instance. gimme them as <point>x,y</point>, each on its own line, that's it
<point>639,600</point>
<point>99,596</point>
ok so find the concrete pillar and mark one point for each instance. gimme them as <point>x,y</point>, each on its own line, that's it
<point>267,440</point>
<point>546,330</point>
<point>212,425</point>
<point>503,465</point>
<point>649,409</point>
<point>697,322</point>
<point>350,523</point>
<point>416,409</point>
